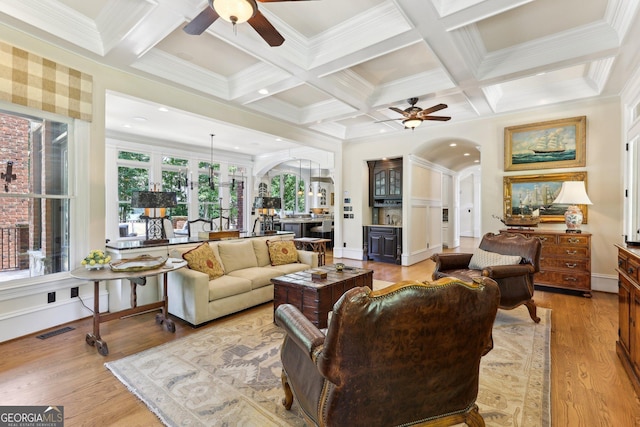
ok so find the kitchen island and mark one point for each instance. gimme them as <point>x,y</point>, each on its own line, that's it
<point>300,227</point>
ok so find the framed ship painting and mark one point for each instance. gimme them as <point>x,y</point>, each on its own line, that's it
<point>546,145</point>
<point>533,195</point>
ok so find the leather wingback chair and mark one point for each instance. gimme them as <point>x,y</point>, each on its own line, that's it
<point>515,281</point>
<point>409,353</point>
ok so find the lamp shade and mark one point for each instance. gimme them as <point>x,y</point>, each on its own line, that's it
<point>153,199</point>
<point>267,203</point>
<point>412,123</point>
<point>235,11</point>
<point>573,193</point>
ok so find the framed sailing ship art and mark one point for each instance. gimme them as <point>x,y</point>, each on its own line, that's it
<point>533,196</point>
<point>545,145</point>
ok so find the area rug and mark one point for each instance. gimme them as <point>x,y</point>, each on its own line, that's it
<point>229,374</point>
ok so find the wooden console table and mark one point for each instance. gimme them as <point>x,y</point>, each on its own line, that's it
<point>316,244</point>
<point>136,278</point>
<point>628,344</point>
<point>565,261</point>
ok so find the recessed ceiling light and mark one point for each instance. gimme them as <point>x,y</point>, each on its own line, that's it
<point>467,154</point>
<point>140,119</point>
<point>236,147</point>
<point>382,130</point>
<point>278,139</point>
<point>453,144</point>
<point>127,125</point>
<point>476,161</point>
<point>263,92</point>
<point>163,109</point>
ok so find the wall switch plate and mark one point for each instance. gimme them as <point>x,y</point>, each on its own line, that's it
<point>74,292</point>
<point>51,297</point>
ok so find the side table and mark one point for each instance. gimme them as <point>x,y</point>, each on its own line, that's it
<point>316,244</point>
<point>136,278</point>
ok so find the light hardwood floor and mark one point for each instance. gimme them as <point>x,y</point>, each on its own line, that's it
<point>588,384</point>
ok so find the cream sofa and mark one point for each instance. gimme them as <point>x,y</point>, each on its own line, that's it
<point>246,281</point>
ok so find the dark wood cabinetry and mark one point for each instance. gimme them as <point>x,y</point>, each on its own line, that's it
<point>383,244</point>
<point>628,344</point>
<point>565,261</point>
<point>385,182</point>
<point>296,228</point>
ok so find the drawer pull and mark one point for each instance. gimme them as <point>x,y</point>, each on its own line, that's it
<point>620,262</point>
<point>571,265</point>
<point>571,252</point>
<point>573,240</point>
<point>571,279</point>
<point>630,270</point>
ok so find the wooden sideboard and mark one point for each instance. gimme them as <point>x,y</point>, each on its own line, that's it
<point>628,344</point>
<point>565,262</point>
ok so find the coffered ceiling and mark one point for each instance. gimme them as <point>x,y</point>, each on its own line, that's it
<point>344,63</point>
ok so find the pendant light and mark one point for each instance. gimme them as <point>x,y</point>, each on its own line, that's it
<point>212,183</point>
<point>319,193</point>
<point>300,190</point>
<point>310,193</point>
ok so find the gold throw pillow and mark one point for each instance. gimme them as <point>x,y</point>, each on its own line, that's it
<point>203,259</point>
<point>282,252</point>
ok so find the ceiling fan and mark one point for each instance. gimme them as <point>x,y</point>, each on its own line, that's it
<point>237,12</point>
<point>413,116</point>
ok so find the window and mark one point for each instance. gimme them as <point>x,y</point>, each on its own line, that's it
<point>133,174</point>
<point>36,199</point>
<point>208,201</point>
<point>173,172</point>
<point>292,194</point>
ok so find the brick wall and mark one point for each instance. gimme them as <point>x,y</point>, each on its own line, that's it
<point>14,139</point>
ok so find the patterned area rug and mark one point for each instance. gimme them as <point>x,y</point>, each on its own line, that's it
<point>229,374</point>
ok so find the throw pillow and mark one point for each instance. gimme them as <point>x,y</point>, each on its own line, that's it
<point>203,259</point>
<point>282,252</point>
<point>482,259</point>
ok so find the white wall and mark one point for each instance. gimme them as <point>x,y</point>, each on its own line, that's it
<point>604,163</point>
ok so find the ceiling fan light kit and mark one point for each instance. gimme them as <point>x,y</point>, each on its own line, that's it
<point>234,11</point>
<point>413,116</point>
<point>412,123</point>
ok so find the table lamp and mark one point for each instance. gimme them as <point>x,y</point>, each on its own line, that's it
<point>154,204</point>
<point>573,194</point>
<point>266,206</point>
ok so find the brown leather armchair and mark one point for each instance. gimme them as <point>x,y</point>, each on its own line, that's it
<point>515,281</point>
<point>406,354</point>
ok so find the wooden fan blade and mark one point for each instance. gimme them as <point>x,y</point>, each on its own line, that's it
<point>201,22</point>
<point>266,30</point>
<point>397,110</point>
<point>432,109</point>
<point>437,118</point>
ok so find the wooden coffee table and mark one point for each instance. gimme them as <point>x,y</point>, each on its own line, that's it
<point>315,298</point>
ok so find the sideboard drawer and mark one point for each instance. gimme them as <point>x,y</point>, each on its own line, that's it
<point>565,259</point>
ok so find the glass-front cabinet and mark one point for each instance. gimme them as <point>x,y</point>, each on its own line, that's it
<point>385,181</point>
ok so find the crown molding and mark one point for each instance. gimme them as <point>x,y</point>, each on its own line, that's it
<point>162,64</point>
<point>376,25</point>
<point>57,19</point>
<point>591,41</point>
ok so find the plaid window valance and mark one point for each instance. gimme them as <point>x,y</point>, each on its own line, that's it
<point>30,80</point>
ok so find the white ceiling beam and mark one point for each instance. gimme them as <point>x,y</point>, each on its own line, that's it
<point>478,12</point>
